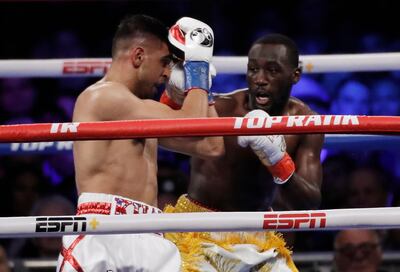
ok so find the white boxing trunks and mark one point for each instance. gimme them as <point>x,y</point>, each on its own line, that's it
<point>117,252</point>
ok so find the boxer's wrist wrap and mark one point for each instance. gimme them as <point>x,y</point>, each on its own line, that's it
<point>165,99</point>
<point>283,169</point>
<point>196,75</point>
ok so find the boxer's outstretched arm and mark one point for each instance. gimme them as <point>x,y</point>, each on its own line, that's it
<point>203,147</point>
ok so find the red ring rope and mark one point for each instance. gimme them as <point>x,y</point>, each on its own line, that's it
<point>201,127</point>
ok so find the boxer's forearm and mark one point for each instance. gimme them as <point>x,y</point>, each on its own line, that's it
<point>301,194</point>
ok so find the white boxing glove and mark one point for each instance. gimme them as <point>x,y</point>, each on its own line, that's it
<point>175,87</point>
<point>196,40</point>
<point>271,150</point>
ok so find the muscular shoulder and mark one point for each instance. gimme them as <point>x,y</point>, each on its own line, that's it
<point>102,100</point>
<point>101,91</point>
<point>298,107</point>
<point>231,104</point>
<point>313,141</point>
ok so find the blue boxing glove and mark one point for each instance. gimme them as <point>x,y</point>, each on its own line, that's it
<point>175,88</point>
<point>196,40</point>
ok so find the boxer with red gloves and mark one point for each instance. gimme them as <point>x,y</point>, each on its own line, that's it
<point>256,173</point>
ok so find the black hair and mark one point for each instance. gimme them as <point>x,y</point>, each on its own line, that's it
<point>135,25</point>
<point>293,51</point>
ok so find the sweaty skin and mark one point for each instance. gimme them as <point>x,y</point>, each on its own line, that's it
<point>129,167</point>
<point>238,181</point>
<point>113,166</point>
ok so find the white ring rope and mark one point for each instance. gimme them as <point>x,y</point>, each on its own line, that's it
<point>39,226</point>
<point>91,67</point>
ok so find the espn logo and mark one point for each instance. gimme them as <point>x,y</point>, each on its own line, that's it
<point>85,67</point>
<point>60,224</point>
<point>295,221</point>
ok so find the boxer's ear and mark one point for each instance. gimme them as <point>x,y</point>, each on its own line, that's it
<point>296,75</point>
<point>137,56</point>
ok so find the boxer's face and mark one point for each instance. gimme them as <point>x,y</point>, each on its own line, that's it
<point>270,77</point>
<point>155,70</point>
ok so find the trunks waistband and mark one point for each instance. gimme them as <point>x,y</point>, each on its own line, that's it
<point>187,204</point>
<point>96,203</point>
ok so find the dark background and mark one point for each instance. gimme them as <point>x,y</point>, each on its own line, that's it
<point>339,25</point>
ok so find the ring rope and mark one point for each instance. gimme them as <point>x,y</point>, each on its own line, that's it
<point>44,226</point>
<point>334,141</point>
<point>158,128</point>
<point>93,67</point>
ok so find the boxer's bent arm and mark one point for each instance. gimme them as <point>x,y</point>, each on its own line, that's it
<point>203,147</point>
<point>303,189</point>
<point>195,105</point>
<point>117,103</point>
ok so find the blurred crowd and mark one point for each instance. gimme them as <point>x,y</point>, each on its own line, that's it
<point>358,178</point>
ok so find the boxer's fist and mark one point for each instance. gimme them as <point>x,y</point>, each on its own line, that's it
<point>196,40</point>
<point>270,149</point>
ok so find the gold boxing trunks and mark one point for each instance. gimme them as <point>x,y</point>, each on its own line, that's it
<point>228,251</point>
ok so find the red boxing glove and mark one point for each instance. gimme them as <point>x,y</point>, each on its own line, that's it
<point>283,169</point>
<point>165,99</point>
